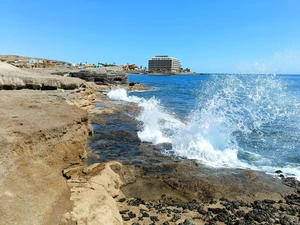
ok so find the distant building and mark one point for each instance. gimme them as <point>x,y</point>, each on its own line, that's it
<point>164,63</point>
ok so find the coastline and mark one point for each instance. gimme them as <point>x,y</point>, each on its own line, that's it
<point>46,132</point>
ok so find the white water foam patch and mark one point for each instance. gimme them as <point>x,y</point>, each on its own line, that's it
<point>207,139</point>
<point>157,125</point>
<point>120,94</point>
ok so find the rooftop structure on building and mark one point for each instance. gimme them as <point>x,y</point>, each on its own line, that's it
<point>164,63</point>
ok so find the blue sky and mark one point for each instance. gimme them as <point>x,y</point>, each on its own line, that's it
<point>207,36</point>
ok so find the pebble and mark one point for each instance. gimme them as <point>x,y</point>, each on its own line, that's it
<point>265,212</point>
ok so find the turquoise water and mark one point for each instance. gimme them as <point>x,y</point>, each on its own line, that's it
<point>245,121</point>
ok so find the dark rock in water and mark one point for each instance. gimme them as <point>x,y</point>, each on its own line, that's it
<point>107,75</point>
<point>278,171</point>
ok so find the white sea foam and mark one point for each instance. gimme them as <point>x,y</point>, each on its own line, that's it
<point>156,123</point>
<point>121,95</point>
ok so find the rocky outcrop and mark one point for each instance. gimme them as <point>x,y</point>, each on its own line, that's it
<point>135,86</point>
<point>93,192</point>
<point>40,135</point>
<point>12,78</point>
<point>104,75</point>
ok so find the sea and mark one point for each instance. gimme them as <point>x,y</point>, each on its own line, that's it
<point>222,120</point>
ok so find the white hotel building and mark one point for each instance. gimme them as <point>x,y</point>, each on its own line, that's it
<point>164,63</point>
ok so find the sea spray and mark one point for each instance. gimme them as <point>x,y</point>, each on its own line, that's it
<point>249,121</point>
<point>240,121</point>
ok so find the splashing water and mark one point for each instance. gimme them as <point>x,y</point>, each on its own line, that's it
<point>157,124</point>
<point>248,121</point>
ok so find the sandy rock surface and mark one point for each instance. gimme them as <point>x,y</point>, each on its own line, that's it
<point>93,191</point>
<point>14,78</point>
<point>43,132</point>
<point>40,135</point>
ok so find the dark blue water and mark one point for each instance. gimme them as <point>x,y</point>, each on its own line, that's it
<point>250,121</point>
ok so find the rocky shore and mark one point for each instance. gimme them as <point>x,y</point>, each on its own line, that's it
<point>55,168</point>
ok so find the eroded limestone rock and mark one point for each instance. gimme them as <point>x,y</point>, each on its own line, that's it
<point>105,75</point>
<point>93,190</point>
<point>12,78</point>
